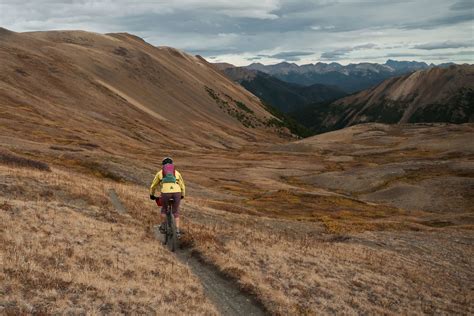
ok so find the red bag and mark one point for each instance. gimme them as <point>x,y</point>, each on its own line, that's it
<point>158,201</point>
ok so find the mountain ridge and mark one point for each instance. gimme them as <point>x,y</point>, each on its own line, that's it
<point>425,96</point>
<point>350,78</point>
<point>284,96</point>
<point>391,64</point>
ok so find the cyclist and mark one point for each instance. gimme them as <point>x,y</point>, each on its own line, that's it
<point>171,187</point>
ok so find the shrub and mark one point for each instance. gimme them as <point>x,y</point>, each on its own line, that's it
<point>212,93</point>
<point>244,107</point>
<point>10,159</point>
<point>240,113</point>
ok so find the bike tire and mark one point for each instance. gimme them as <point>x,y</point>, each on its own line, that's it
<point>166,235</point>
<point>167,229</point>
<point>173,238</point>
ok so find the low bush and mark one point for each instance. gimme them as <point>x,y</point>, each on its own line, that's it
<point>244,107</point>
<point>10,159</point>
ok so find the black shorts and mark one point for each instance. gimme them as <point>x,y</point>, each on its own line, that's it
<point>165,197</point>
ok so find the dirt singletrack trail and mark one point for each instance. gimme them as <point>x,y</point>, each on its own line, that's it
<point>226,296</point>
<point>222,292</point>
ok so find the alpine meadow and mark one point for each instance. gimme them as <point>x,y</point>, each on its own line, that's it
<point>324,163</point>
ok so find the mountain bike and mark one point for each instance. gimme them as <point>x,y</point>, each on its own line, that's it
<point>171,237</point>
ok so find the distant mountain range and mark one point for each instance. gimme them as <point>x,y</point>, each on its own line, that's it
<point>411,92</point>
<point>284,96</point>
<point>431,95</point>
<point>350,78</point>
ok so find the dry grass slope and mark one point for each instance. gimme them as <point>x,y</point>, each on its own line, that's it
<point>65,250</point>
<point>307,272</point>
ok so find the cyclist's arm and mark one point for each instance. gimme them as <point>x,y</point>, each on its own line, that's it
<point>180,181</point>
<point>155,183</point>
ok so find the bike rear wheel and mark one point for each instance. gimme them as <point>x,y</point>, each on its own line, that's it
<point>166,233</point>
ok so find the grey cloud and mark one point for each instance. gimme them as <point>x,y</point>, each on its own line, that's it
<point>296,7</point>
<point>399,55</point>
<point>334,55</point>
<point>287,56</point>
<point>249,27</point>
<point>343,51</point>
<point>254,58</point>
<point>438,56</point>
<point>257,57</point>
<point>441,21</point>
<point>444,45</point>
<point>463,5</point>
<point>211,51</point>
<point>291,56</point>
<point>369,45</point>
<point>469,53</point>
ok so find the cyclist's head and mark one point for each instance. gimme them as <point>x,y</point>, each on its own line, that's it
<point>167,160</point>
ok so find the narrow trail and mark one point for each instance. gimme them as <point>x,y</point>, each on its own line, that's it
<point>223,293</point>
<point>226,296</point>
<point>116,201</point>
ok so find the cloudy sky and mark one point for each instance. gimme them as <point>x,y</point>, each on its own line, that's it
<point>270,31</point>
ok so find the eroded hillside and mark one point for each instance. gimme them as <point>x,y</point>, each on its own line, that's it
<point>65,87</point>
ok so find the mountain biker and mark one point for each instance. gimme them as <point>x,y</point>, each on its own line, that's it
<point>171,187</point>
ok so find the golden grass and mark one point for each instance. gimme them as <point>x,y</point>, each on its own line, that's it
<point>417,175</point>
<point>339,214</point>
<point>66,251</point>
<point>305,274</point>
<point>297,252</point>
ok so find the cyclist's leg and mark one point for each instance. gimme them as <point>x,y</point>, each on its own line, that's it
<point>164,202</point>
<point>162,210</point>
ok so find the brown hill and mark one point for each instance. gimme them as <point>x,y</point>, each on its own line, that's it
<point>223,66</point>
<point>63,87</point>
<point>433,95</point>
<point>237,74</point>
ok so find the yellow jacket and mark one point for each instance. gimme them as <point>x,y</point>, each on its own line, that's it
<point>168,187</point>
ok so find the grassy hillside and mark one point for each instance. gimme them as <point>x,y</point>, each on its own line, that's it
<point>65,250</point>
<point>435,95</point>
<point>72,85</point>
